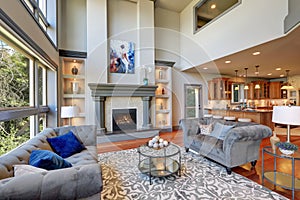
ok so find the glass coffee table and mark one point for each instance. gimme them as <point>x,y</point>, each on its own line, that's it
<point>159,162</point>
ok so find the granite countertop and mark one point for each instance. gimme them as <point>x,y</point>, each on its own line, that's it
<point>245,110</point>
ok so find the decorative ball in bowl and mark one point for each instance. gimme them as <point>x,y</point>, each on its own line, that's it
<point>157,142</point>
<point>286,148</point>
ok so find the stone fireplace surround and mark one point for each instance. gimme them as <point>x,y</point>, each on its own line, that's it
<point>102,91</point>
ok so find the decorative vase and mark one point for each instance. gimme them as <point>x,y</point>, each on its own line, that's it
<point>273,140</point>
<point>74,70</point>
<point>75,87</point>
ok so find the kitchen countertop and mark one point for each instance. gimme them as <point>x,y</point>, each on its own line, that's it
<point>245,110</point>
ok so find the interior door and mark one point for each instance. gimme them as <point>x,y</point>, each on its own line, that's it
<point>193,101</point>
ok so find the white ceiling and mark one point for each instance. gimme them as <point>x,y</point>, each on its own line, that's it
<point>173,5</point>
<point>283,52</point>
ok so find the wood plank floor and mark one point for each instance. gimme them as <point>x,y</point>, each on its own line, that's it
<point>253,174</point>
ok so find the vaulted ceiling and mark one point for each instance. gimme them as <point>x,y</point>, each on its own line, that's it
<point>280,53</point>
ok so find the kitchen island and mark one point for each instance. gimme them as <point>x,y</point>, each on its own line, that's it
<point>261,116</point>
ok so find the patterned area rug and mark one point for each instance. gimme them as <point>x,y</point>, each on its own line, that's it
<point>200,179</point>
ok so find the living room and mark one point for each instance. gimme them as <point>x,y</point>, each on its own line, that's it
<point>80,33</point>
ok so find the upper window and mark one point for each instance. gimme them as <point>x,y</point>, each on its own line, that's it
<point>207,10</point>
<point>39,10</point>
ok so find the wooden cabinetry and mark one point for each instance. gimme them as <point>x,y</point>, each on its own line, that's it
<point>263,92</point>
<point>275,92</point>
<point>219,89</point>
<point>163,97</point>
<point>73,88</point>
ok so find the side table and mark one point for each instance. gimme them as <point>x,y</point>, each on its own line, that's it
<point>159,162</point>
<point>286,180</point>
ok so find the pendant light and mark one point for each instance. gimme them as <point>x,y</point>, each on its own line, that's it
<point>246,84</point>
<point>236,86</point>
<point>287,85</point>
<point>257,86</point>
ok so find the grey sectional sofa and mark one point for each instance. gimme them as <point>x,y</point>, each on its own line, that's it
<point>241,144</point>
<point>81,181</point>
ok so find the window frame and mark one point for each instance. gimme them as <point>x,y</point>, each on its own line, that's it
<point>195,18</point>
<point>40,18</point>
<point>34,110</point>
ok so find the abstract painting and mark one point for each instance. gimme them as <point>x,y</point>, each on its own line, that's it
<point>121,57</point>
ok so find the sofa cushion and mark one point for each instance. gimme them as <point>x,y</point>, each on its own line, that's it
<point>66,145</point>
<point>20,170</point>
<point>220,130</point>
<point>47,160</point>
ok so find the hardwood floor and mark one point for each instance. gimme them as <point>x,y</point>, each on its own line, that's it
<point>253,174</point>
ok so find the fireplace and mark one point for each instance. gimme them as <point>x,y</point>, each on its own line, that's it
<point>124,120</point>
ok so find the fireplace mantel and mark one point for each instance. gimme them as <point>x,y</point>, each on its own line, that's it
<point>121,90</point>
<point>102,90</point>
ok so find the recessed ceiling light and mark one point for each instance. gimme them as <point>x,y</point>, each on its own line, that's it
<point>213,6</point>
<point>278,68</point>
<point>205,68</point>
<point>228,61</point>
<point>269,74</point>
<point>256,53</point>
<point>282,75</point>
<point>74,61</point>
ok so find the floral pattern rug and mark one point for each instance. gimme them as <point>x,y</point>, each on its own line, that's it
<point>200,179</point>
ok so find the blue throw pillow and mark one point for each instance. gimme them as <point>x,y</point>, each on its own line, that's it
<point>47,160</point>
<point>220,130</point>
<point>66,145</point>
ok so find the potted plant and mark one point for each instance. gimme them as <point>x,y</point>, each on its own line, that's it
<point>287,147</point>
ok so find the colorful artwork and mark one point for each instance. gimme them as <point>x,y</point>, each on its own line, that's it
<point>121,57</point>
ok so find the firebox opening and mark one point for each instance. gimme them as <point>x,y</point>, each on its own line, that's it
<point>124,120</point>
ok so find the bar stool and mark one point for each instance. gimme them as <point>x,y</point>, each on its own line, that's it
<point>244,120</point>
<point>217,117</point>
<point>229,118</point>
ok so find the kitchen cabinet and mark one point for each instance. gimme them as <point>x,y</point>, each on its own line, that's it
<point>219,89</point>
<point>275,91</point>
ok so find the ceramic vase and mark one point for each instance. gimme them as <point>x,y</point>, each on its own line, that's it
<point>75,87</point>
<point>273,140</point>
<point>74,70</point>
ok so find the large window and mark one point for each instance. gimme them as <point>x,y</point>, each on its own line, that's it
<point>208,10</point>
<point>23,95</point>
<point>14,78</point>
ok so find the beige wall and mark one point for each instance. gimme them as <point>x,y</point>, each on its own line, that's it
<point>18,13</point>
<point>106,20</point>
<point>237,30</point>
<point>73,33</point>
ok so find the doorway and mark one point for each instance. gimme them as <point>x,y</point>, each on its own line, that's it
<point>193,104</point>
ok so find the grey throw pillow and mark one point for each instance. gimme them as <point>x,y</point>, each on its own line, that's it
<point>220,130</point>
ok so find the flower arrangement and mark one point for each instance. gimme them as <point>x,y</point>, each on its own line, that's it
<point>287,146</point>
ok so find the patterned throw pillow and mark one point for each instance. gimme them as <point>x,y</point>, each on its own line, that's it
<point>205,129</point>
